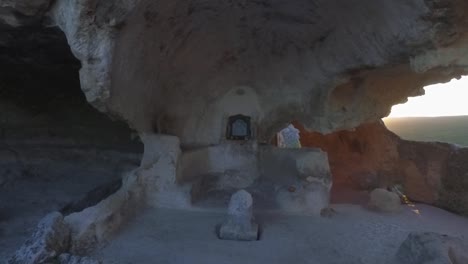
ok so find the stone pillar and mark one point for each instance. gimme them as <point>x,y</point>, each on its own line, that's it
<point>159,165</point>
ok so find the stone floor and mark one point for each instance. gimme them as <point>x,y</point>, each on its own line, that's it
<point>353,236</point>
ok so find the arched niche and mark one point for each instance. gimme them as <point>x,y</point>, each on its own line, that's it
<point>239,127</point>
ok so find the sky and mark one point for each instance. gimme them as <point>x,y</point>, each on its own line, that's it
<point>447,99</point>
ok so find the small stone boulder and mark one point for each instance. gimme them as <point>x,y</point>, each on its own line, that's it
<point>240,224</point>
<point>384,201</point>
<point>428,247</point>
<point>51,238</point>
<point>327,212</point>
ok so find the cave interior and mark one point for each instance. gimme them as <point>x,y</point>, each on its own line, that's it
<point>110,108</point>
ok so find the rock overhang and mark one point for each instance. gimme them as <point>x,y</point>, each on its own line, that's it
<point>183,67</point>
<point>290,57</point>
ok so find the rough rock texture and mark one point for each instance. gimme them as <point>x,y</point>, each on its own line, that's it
<point>384,201</point>
<point>96,224</point>
<point>183,67</point>
<point>54,146</point>
<point>320,62</point>
<point>434,174</point>
<point>329,64</point>
<point>240,224</point>
<point>304,198</point>
<point>91,29</point>
<point>432,248</point>
<point>231,58</point>
<point>313,166</point>
<point>328,212</point>
<point>347,63</point>
<point>18,13</point>
<point>298,189</point>
<point>371,156</point>
<point>286,164</point>
<point>159,164</point>
<point>41,101</point>
<point>152,184</point>
<point>226,166</point>
<point>454,182</point>
<point>70,259</point>
<point>39,179</point>
<point>267,172</point>
<point>362,158</point>
<point>51,238</point>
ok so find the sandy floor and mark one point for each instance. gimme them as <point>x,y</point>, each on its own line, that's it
<point>354,235</point>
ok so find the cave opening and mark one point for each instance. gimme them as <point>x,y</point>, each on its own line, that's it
<point>288,137</point>
<point>441,114</point>
<point>57,152</point>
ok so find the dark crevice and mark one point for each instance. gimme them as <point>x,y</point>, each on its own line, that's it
<point>41,97</point>
<point>92,198</point>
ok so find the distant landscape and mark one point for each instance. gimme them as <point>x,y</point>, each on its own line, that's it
<point>451,129</point>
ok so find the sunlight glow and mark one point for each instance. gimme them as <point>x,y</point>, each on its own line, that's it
<point>447,99</point>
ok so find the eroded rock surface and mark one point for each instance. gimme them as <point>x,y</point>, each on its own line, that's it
<point>268,172</point>
<point>220,167</point>
<point>454,182</point>
<point>18,13</point>
<point>71,259</point>
<point>51,238</point>
<point>432,248</point>
<point>302,176</point>
<point>329,64</point>
<point>152,184</point>
<point>280,60</point>
<point>371,156</point>
<point>182,68</point>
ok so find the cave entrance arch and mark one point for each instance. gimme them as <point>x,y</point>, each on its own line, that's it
<point>441,114</point>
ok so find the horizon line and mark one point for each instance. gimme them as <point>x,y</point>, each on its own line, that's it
<point>388,117</point>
